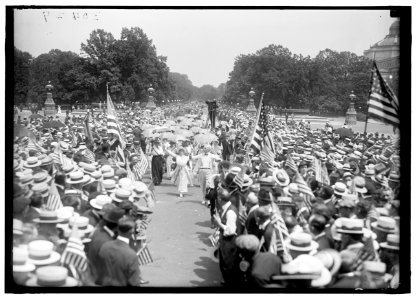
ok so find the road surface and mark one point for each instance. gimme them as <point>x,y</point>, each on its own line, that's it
<point>179,244</point>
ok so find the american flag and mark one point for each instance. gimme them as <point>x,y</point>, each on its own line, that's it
<point>214,238</point>
<point>74,254</point>
<point>321,173</point>
<point>383,103</point>
<point>290,163</point>
<point>143,255</point>
<point>120,155</point>
<point>267,156</point>
<point>33,145</point>
<point>89,155</point>
<point>304,189</point>
<point>74,139</point>
<point>261,135</point>
<point>54,200</point>
<point>113,125</point>
<point>366,253</point>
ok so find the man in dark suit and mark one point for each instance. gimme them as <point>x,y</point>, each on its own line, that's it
<point>33,211</point>
<point>60,184</point>
<point>317,227</point>
<point>104,233</point>
<point>227,148</point>
<point>121,266</point>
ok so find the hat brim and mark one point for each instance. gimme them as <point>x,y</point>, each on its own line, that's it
<point>337,260</point>
<point>84,179</point>
<point>350,231</point>
<point>55,257</point>
<point>386,246</point>
<point>70,282</point>
<point>27,267</point>
<point>32,166</point>
<point>375,226</point>
<point>314,245</point>
<point>38,220</point>
<point>94,204</point>
<point>115,199</point>
<point>86,231</point>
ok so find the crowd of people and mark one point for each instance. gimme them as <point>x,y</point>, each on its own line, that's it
<point>323,212</point>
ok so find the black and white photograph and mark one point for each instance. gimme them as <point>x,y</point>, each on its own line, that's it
<point>207,149</point>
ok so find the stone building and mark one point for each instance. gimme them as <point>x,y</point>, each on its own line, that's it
<point>387,55</point>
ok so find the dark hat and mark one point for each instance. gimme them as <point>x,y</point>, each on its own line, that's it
<point>264,195</point>
<point>114,215</point>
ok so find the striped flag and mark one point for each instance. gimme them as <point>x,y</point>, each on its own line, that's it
<point>214,238</point>
<point>366,253</point>
<point>34,145</point>
<point>143,164</point>
<point>267,156</point>
<point>113,125</point>
<point>54,200</point>
<point>290,163</point>
<point>321,173</point>
<point>304,189</point>
<point>383,103</point>
<point>89,155</point>
<point>261,135</point>
<point>120,155</point>
<point>74,254</point>
<point>143,255</point>
<point>74,139</point>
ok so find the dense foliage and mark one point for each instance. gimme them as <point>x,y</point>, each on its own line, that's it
<point>322,83</point>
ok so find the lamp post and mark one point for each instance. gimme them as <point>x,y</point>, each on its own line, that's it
<point>351,116</point>
<point>150,103</point>
<point>49,103</point>
<point>251,107</point>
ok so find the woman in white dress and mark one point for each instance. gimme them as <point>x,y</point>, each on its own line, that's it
<point>182,175</point>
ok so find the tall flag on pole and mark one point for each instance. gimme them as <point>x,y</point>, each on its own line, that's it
<point>262,140</point>
<point>113,125</point>
<point>54,200</point>
<point>383,103</point>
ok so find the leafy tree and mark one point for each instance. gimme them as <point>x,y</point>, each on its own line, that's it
<point>22,62</point>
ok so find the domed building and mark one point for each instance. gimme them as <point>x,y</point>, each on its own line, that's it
<point>387,55</point>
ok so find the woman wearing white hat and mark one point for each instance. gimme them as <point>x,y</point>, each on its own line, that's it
<point>182,175</point>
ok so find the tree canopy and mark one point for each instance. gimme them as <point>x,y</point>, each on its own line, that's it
<point>290,80</point>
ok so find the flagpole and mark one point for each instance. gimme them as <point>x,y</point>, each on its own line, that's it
<point>368,101</point>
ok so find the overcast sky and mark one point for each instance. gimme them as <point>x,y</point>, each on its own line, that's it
<point>204,43</point>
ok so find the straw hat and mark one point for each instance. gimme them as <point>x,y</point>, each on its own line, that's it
<point>339,188</point>
<point>32,162</point>
<point>48,217</point>
<point>299,241</point>
<point>351,226</point>
<point>139,189</point>
<point>392,243</point>
<point>331,259</point>
<point>385,224</point>
<point>305,267</point>
<point>41,253</point>
<point>52,276</point>
<point>77,177</point>
<point>99,201</point>
<point>20,260</point>
<point>281,177</point>
<point>121,194</point>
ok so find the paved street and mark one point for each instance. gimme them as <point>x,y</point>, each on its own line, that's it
<point>179,244</point>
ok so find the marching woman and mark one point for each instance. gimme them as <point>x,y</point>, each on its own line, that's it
<point>204,165</point>
<point>157,162</point>
<point>182,175</point>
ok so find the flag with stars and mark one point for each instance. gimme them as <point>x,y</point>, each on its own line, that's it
<point>383,103</point>
<point>262,137</point>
